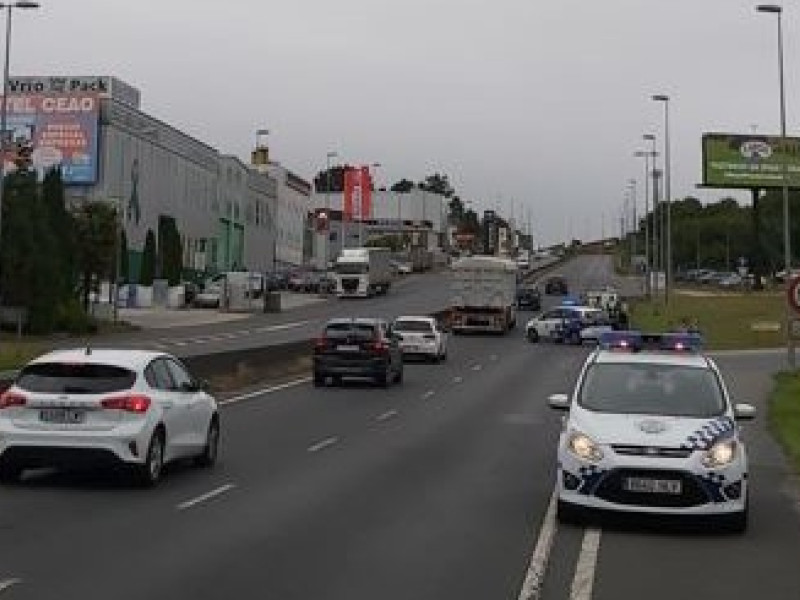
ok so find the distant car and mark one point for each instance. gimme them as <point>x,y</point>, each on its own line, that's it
<point>357,348</point>
<point>135,408</point>
<point>209,297</point>
<point>731,280</point>
<point>402,268</point>
<point>529,298</point>
<point>299,281</point>
<point>420,336</point>
<point>556,285</point>
<point>652,431</point>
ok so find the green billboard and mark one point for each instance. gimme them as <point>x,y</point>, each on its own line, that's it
<point>750,161</point>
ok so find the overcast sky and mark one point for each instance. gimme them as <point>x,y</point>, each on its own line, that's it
<point>542,103</point>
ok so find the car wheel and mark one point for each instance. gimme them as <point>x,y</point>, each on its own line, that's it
<point>399,375</point>
<point>569,514</point>
<point>382,380</point>
<point>149,474</point>
<point>533,335</point>
<point>443,356</point>
<point>210,451</point>
<point>337,380</point>
<point>10,473</point>
<point>319,380</point>
<point>735,522</point>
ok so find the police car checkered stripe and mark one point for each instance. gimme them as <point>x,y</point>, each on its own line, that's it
<point>709,434</point>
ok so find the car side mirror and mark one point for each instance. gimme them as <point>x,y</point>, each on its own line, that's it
<point>559,401</point>
<point>744,412</point>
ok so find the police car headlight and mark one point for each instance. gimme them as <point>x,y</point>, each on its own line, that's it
<point>584,447</point>
<point>720,454</point>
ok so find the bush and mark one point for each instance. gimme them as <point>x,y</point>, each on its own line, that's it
<point>71,318</point>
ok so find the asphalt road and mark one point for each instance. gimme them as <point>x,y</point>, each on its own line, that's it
<point>435,489</point>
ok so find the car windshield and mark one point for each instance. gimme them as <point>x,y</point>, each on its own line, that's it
<point>412,326</point>
<point>652,389</point>
<point>351,268</point>
<point>65,378</point>
<point>361,331</point>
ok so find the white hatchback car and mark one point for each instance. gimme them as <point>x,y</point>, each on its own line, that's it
<point>652,431</point>
<point>135,408</point>
<point>420,336</point>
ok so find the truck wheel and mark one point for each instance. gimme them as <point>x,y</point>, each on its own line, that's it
<point>532,335</point>
<point>382,380</point>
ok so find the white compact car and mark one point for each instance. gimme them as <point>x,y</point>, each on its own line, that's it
<point>652,431</point>
<point>420,336</point>
<point>134,408</point>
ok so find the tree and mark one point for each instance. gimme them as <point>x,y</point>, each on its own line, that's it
<point>124,259</point>
<point>456,210</point>
<point>95,232</point>
<point>330,180</point>
<point>403,186</point>
<point>148,259</point>
<point>62,228</point>
<point>437,184</point>
<point>170,250</point>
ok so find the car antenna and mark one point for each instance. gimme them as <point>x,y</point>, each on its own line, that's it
<point>88,349</point>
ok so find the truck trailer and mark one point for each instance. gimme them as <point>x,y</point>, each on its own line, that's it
<point>483,295</point>
<point>363,272</point>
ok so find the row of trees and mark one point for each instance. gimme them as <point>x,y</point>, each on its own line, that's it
<point>53,258</point>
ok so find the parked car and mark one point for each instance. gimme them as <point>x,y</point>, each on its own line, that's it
<point>135,408</point>
<point>360,348</point>
<point>210,296</point>
<point>401,268</point>
<point>529,298</point>
<point>420,336</point>
<point>556,285</point>
<point>299,281</point>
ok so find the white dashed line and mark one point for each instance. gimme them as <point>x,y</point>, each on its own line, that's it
<point>387,415</point>
<point>458,379</point>
<point>230,336</point>
<point>282,326</point>
<point>477,367</point>
<point>7,583</point>
<point>207,496</point>
<point>587,561</point>
<point>323,444</point>
<point>534,578</point>
<point>265,391</point>
<point>181,343</point>
<point>428,394</point>
<point>493,357</point>
<point>159,345</point>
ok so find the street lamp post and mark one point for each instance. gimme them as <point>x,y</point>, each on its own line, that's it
<point>787,248</point>
<point>4,106</point>
<point>328,220</point>
<point>656,250</point>
<point>667,232</point>
<point>646,156</point>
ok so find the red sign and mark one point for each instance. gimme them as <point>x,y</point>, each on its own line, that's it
<point>357,194</point>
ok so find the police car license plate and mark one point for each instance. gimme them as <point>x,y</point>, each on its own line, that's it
<point>651,486</point>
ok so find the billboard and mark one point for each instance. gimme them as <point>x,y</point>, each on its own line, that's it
<point>56,130</point>
<point>357,194</point>
<point>750,161</point>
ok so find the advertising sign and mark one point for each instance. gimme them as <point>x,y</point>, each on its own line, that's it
<point>750,161</point>
<point>56,130</point>
<point>357,194</point>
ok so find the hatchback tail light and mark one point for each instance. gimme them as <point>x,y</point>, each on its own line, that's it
<point>320,344</point>
<point>135,403</point>
<point>380,347</point>
<point>10,399</point>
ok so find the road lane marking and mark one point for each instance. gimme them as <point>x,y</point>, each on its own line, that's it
<point>230,336</point>
<point>477,367</point>
<point>387,415</point>
<point>264,392</point>
<point>181,343</point>
<point>587,562</point>
<point>323,444</point>
<point>282,326</point>
<point>7,583</point>
<point>207,496</point>
<point>159,345</point>
<point>534,578</point>
<point>458,379</point>
<point>428,394</point>
<point>493,357</point>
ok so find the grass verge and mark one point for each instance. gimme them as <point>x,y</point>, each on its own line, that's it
<point>727,321</point>
<point>784,415</point>
<point>15,354</point>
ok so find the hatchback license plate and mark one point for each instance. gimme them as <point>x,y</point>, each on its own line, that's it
<point>652,486</point>
<point>63,416</point>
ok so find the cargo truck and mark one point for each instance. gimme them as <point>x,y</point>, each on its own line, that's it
<point>363,272</point>
<point>483,295</point>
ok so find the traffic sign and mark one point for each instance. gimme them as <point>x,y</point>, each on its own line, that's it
<point>794,293</point>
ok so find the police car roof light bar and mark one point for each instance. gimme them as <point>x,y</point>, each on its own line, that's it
<point>632,340</point>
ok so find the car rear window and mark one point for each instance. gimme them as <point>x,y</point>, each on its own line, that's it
<point>412,326</point>
<point>66,378</point>
<point>362,331</point>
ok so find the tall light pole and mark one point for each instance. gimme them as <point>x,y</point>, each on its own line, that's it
<point>667,232</point>
<point>787,247</point>
<point>328,220</point>
<point>4,106</point>
<point>656,250</point>
<point>646,155</point>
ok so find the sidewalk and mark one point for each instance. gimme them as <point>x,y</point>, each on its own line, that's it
<point>168,318</point>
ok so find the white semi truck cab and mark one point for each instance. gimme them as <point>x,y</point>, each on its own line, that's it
<point>363,272</point>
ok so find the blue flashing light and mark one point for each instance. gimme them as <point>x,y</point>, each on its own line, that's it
<point>681,342</point>
<point>634,341</point>
<point>570,301</point>
<point>624,340</point>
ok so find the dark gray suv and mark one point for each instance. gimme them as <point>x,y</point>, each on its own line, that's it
<point>357,347</point>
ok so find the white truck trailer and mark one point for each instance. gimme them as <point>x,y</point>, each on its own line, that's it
<point>484,292</point>
<point>363,272</point>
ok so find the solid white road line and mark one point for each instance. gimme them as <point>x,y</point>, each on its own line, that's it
<point>7,583</point>
<point>477,367</point>
<point>428,394</point>
<point>583,580</point>
<point>282,326</point>
<point>323,444</point>
<point>534,578</point>
<point>181,343</point>
<point>265,391</point>
<point>387,415</point>
<point>207,496</point>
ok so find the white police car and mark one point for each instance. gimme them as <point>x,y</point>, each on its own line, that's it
<point>652,430</point>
